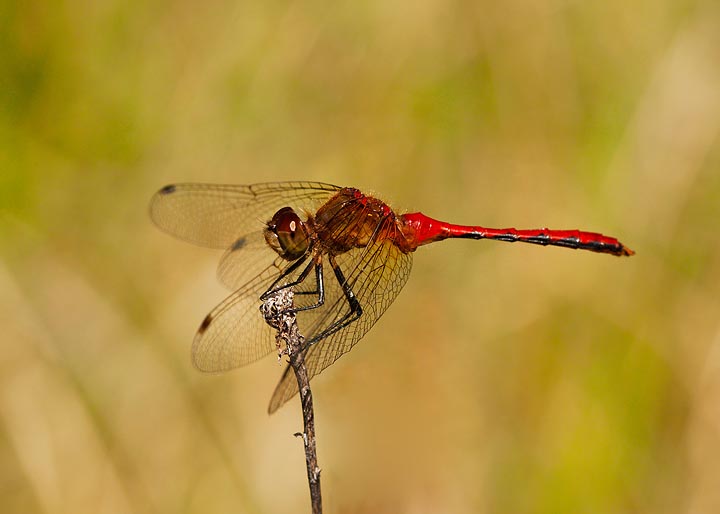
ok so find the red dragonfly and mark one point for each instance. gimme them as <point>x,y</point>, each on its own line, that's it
<point>346,255</point>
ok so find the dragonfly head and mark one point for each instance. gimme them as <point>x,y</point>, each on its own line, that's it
<point>287,234</point>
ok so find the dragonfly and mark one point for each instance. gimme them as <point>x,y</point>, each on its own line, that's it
<point>344,254</point>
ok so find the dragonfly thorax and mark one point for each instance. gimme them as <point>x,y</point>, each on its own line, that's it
<point>287,234</point>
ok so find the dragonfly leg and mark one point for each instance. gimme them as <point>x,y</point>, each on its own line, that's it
<point>319,290</point>
<point>274,286</point>
<point>355,307</point>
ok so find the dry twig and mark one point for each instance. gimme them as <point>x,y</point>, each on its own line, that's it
<point>277,310</point>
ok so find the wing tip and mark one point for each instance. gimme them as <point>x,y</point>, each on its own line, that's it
<point>168,189</point>
<point>275,404</point>
<point>280,395</point>
<point>205,324</point>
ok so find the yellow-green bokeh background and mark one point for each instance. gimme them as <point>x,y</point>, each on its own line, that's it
<point>504,379</point>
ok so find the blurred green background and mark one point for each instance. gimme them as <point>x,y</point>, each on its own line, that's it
<point>504,379</point>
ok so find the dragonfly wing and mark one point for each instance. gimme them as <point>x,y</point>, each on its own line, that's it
<point>375,274</point>
<point>246,258</point>
<point>217,215</point>
<point>235,333</point>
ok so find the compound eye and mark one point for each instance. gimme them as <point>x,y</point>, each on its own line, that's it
<point>287,235</point>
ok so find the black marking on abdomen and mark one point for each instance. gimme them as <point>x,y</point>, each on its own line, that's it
<point>168,189</point>
<point>509,238</point>
<point>568,242</point>
<point>546,240</point>
<point>598,246</point>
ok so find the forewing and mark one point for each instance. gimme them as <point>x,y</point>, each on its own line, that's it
<point>376,274</point>
<point>248,256</point>
<point>217,215</point>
